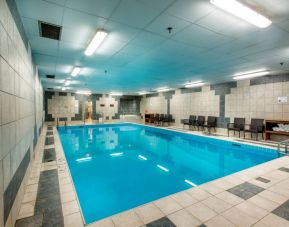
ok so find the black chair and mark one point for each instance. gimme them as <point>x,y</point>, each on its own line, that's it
<point>211,123</point>
<point>200,122</point>
<point>256,127</point>
<point>161,119</point>
<point>237,126</point>
<point>156,119</point>
<point>167,119</point>
<point>190,121</point>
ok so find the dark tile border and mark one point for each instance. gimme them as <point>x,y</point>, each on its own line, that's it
<point>49,155</point>
<point>246,190</point>
<point>49,141</point>
<point>14,185</point>
<point>48,201</point>
<point>162,222</point>
<point>264,180</point>
<point>284,169</point>
<point>282,211</point>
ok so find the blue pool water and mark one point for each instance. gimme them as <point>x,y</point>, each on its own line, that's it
<point>118,167</point>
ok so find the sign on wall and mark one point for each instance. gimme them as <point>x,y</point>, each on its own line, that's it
<point>282,99</point>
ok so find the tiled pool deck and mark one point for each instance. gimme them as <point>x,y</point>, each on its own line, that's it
<point>258,196</point>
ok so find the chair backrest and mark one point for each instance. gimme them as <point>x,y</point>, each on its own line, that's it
<point>192,118</point>
<point>157,116</point>
<point>239,123</point>
<point>212,121</point>
<point>201,120</point>
<point>257,124</point>
<point>161,117</point>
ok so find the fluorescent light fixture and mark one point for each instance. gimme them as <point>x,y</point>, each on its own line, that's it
<point>75,71</point>
<point>190,183</point>
<point>194,84</point>
<point>95,42</point>
<point>163,168</point>
<point>163,89</point>
<point>67,82</point>
<point>84,92</point>
<point>116,154</point>
<point>247,75</point>
<point>86,159</point>
<point>142,157</point>
<point>116,94</point>
<point>239,10</point>
<point>63,88</point>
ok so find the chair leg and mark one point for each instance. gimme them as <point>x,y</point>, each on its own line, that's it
<point>239,134</point>
<point>244,135</point>
<point>256,136</point>
<point>228,133</point>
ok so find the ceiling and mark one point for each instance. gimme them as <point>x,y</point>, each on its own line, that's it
<point>140,54</point>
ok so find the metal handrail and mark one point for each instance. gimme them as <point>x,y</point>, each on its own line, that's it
<point>285,143</point>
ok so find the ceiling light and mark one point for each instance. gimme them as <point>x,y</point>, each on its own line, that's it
<point>63,89</point>
<point>163,89</point>
<point>84,92</point>
<point>67,82</point>
<point>194,84</point>
<point>75,71</point>
<point>116,94</point>
<point>95,42</point>
<point>247,75</point>
<point>238,9</point>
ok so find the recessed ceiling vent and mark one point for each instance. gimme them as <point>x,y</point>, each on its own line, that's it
<point>50,31</point>
<point>49,88</point>
<point>50,76</point>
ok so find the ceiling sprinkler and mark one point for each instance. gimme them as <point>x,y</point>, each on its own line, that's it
<point>170,29</point>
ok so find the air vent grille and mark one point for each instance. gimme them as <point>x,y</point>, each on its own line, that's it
<point>49,31</point>
<point>49,88</point>
<point>50,76</point>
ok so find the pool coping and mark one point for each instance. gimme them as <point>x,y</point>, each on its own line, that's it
<point>178,204</point>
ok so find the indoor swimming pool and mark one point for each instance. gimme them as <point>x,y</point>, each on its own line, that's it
<point>116,167</point>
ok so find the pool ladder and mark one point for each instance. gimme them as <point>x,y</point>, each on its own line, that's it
<point>280,144</point>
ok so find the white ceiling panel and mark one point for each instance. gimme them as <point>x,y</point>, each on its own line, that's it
<point>50,13</point>
<point>160,25</point>
<point>158,4</point>
<point>134,13</point>
<point>191,10</point>
<point>101,8</point>
<point>44,46</point>
<point>78,20</point>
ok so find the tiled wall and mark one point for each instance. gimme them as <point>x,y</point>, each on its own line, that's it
<point>20,108</point>
<point>69,106</point>
<point>255,98</point>
<point>63,106</point>
<point>204,102</point>
<point>108,106</point>
<point>155,103</point>
<point>258,101</point>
